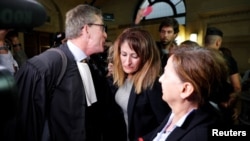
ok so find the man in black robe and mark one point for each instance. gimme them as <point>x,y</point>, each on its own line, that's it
<point>64,106</point>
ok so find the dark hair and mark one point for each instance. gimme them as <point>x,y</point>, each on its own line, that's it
<point>170,22</point>
<point>214,31</point>
<point>189,43</point>
<point>11,34</point>
<point>57,38</point>
<point>226,51</point>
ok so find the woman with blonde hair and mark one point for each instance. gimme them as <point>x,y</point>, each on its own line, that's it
<point>138,100</point>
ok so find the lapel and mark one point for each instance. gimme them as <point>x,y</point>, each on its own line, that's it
<point>195,118</point>
<point>131,103</point>
<point>93,68</point>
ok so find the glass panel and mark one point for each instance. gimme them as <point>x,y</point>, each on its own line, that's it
<point>181,20</point>
<point>163,9</point>
<point>180,8</point>
<point>160,9</point>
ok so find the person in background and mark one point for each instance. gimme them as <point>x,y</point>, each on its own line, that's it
<point>245,76</point>
<point>168,31</point>
<point>226,51</point>
<point>73,112</point>
<point>58,39</point>
<point>18,51</point>
<point>8,104</point>
<point>213,39</point>
<point>6,57</point>
<point>100,59</point>
<point>188,43</point>
<point>190,76</point>
<point>244,112</point>
<point>137,106</point>
<point>110,61</point>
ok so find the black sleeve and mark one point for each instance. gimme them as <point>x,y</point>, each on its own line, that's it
<point>232,65</point>
<point>34,81</point>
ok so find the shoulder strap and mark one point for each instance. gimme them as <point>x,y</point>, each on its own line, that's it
<point>64,64</point>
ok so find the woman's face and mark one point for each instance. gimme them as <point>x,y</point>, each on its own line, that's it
<point>129,59</point>
<point>170,83</point>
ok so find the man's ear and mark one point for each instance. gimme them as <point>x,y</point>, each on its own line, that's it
<point>85,31</point>
<point>218,42</point>
<point>85,28</point>
<point>187,90</point>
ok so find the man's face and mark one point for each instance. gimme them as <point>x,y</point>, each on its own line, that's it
<point>97,36</point>
<point>167,34</point>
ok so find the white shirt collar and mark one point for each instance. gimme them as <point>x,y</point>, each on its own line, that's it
<point>76,51</point>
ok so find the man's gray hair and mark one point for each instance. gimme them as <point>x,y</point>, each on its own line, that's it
<point>79,16</point>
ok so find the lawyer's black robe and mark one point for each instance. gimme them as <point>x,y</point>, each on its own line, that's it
<point>69,117</point>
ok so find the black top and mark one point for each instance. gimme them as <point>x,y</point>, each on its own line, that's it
<point>196,127</point>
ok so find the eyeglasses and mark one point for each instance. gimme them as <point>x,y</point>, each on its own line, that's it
<point>104,27</point>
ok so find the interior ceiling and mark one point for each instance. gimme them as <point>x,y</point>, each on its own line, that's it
<point>96,3</point>
<point>68,4</point>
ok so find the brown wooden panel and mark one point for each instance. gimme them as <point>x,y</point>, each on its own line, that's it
<point>36,42</point>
